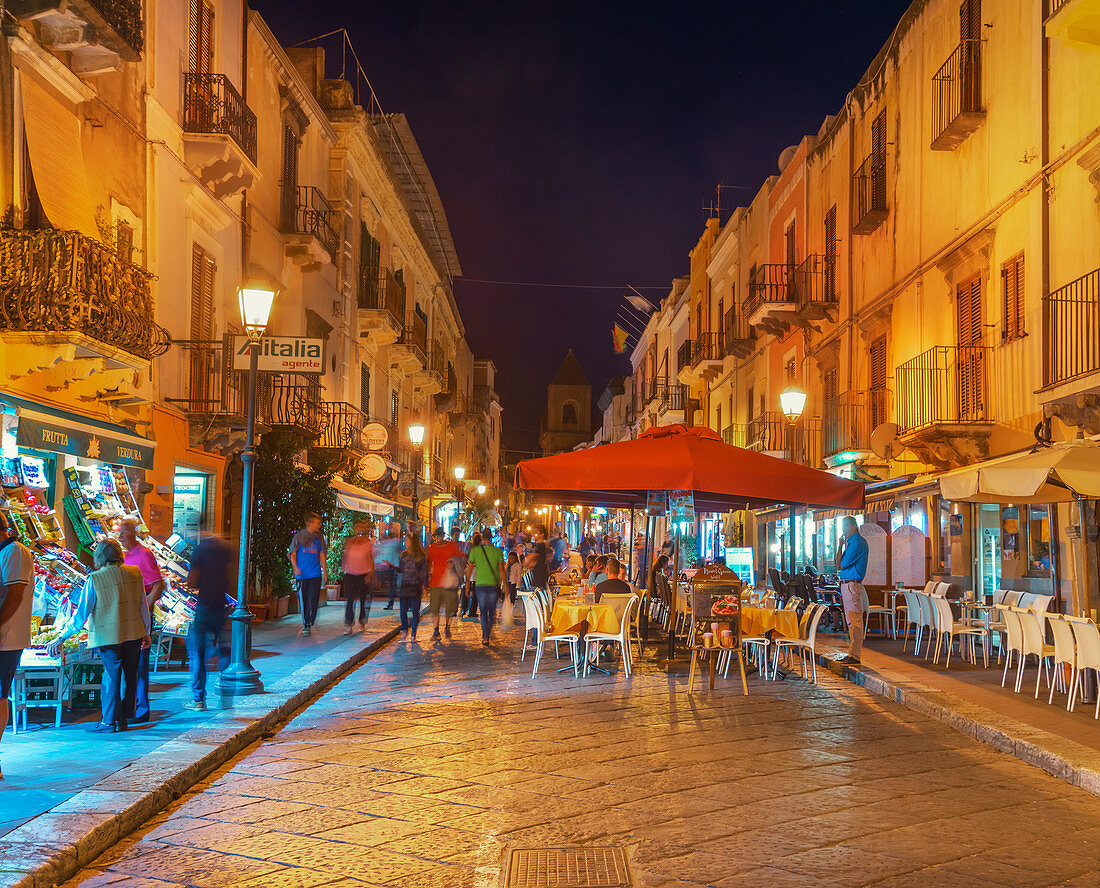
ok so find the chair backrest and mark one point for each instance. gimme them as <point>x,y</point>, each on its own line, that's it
<point>1012,598</point>
<point>1065,650</point>
<point>941,590</point>
<point>768,600</point>
<point>815,618</point>
<point>930,587</point>
<point>532,611</point>
<point>1012,627</point>
<point>998,596</point>
<point>1087,638</point>
<point>1040,604</point>
<point>793,603</point>
<point>629,613</point>
<point>1031,631</point>
<point>912,608</point>
<point>944,618</point>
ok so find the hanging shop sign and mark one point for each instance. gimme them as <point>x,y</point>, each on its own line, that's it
<point>372,467</point>
<point>681,506</point>
<point>89,443</point>
<point>375,436</point>
<point>657,502</point>
<point>282,354</point>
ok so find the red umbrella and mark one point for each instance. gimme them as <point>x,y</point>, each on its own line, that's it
<point>679,457</point>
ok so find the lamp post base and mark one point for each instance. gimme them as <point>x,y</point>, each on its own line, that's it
<point>240,677</point>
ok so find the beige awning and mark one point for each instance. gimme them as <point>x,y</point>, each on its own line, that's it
<point>1050,475</point>
<point>57,159</point>
<point>355,499</point>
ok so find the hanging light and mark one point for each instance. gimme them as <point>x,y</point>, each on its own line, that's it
<point>416,434</point>
<point>460,473</point>
<point>792,401</point>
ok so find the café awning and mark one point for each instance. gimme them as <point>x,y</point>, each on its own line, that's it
<point>1050,475</point>
<point>356,499</point>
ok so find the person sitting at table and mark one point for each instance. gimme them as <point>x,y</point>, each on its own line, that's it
<point>612,585</point>
<point>599,573</point>
<point>589,567</point>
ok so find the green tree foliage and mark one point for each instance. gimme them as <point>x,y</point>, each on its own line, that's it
<point>284,493</point>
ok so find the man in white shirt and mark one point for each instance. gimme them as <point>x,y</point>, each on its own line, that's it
<point>16,596</point>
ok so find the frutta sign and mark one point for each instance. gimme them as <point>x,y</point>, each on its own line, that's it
<point>282,354</point>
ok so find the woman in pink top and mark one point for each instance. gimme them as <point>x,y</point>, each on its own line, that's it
<point>358,576</point>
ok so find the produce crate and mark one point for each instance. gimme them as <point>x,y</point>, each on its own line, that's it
<point>84,685</point>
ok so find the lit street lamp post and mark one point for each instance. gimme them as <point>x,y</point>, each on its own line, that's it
<point>460,473</point>
<point>792,401</point>
<point>240,676</point>
<point>416,436</point>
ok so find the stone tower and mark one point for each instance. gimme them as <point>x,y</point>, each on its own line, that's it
<point>568,418</point>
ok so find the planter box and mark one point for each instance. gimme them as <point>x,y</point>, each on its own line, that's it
<point>280,606</point>
<point>328,593</point>
<point>259,612</point>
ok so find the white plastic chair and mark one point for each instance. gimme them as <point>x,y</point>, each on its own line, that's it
<point>882,611</point>
<point>530,618</point>
<point>1087,638</point>
<point>1012,639</point>
<point>571,638</point>
<point>1031,632</point>
<point>1065,651</point>
<point>621,638</point>
<point>1012,598</point>
<point>926,626</point>
<point>1040,604</point>
<point>947,627</point>
<point>911,619</point>
<point>804,646</point>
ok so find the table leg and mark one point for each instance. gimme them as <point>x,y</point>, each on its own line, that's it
<point>691,672</point>
<point>741,663</point>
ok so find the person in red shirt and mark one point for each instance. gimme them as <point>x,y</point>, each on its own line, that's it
<point>448,564</point>
<point>139,556</point>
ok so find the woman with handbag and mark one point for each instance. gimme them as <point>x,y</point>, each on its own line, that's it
<point>448,564</point>
<point>414,577</point>
<point>486,570</point>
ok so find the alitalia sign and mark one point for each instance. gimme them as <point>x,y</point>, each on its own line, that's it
<point>282,354</point>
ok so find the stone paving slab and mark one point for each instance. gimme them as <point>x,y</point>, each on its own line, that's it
<point>426,765</point>
<point>50,847</point>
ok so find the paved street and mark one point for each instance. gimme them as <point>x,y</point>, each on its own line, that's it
<point>425,765</point>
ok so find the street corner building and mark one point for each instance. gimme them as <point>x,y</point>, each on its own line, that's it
<point>923,269</point>
<point>157,157</point>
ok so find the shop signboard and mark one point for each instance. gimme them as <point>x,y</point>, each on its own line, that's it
<point>372,467</point>
<point>375,436</point>
<point>282,354</point>
<point>681,506</point>
<point>90,443</point>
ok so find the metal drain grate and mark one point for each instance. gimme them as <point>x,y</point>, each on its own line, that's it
<point>603,866</point>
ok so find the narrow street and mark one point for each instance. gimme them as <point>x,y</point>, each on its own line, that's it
<point>430,763</point>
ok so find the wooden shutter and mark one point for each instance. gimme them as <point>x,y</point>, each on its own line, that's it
<point>395,409</point>
<point>970,61</point>
<point>364,389</point>
<point>290,178</point>
<point>200,37</point>
<point>201,383</point>
<point>1012,285</point>
<point>878,162</point>
<point>969,363</point>
<point>877,376</point>
<point>829,385</point>
<point>790,246</point>
<point>830,254</point>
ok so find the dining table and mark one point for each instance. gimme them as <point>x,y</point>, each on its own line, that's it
<point>573,614</point>
<point>757,621</point>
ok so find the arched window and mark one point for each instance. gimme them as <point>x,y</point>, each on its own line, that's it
<point>569,413</point>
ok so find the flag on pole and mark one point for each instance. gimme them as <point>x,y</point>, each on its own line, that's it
<point>618,339</point>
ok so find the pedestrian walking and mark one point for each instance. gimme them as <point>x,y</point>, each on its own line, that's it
<point>139,556</point>
<point>16,598</point>
<point>307,558</point>
<point>559,546</point>
<point>359,576</point>
<point>448,564</point>
<point>387,557</point>
<point>486,571</point>
<point>210,576</point>
<point>113,605</point>
<point>538,560</point>
<point>851,562</point>
<point>414,578</point>
<point>515,575</point>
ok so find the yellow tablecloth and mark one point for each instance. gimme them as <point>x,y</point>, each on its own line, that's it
<point>567,615</point>
<point>755,621</point>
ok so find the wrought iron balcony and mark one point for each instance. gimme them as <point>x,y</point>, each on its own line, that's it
<point>1071,324</point>
<point>306,211</point>
<point>812,283</point>
<point>769,290</point>
<point>683,354</point>
<point>945,385</point>
<point>61,282</point>
<point>669,397</point>
<point>706,347</point>
<point>957,96</point>
<point>414,337</point>
<point>342,428</point>
<point>124,17</point>
<point>736,334</point>
<point>772,432</point>
<point>849,419</point>
<point>381,304</point>
<point>734,435</point>
<point>212,106</point>
<point>293,402</point>
<point>869,205</point>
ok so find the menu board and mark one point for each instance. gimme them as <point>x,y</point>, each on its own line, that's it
<point>739,559</point>
<point>681,506</point>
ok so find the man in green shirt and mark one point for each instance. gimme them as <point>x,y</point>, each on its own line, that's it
<point>485,566</point>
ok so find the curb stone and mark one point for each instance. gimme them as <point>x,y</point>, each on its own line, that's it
<point>1068,760</point>
<point>55,845</point>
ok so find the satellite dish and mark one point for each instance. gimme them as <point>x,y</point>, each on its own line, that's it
<point>884,439</point>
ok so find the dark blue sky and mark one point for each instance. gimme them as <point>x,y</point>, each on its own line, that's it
<point>577,142</point>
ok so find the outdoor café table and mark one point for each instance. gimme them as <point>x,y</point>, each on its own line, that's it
<point>756,621</point>
<point>572,615</point>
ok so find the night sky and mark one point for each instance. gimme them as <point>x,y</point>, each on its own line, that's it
<point>578,142</point>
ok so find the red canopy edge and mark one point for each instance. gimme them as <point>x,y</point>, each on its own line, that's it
<point>678,457</point>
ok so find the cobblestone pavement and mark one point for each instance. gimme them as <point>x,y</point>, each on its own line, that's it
<point>426,764</point>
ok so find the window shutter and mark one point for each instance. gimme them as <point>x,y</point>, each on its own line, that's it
<point>877,377</point>
<point>200,36</point>
<point>202,357</point>
<point>364,389</point>
<point>1012,282</point>
<point>969,362</point>
<point>878,162</point>
<point>830,254</point>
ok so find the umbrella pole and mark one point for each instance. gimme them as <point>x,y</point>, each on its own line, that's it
<point>675,593</point>
<point>643,628</point>
<point>630,568</point>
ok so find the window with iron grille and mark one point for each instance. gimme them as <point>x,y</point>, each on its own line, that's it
<point>877,377</point>
<point>395,409</point>
<point>1012,284</point>
<point>364,388</point>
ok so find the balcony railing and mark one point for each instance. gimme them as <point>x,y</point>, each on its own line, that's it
<point>848,420</point>
<point>810,282</point>
<point>1071,324</point>
<point>64,282</point>
<point>734,434</point>
<point>869,207</point>
<point>342,427</point>
<point>945,385</point>
<point>768,285</point>
<point>736,333</point>
<point>706,347</point>
<point>773,433</point>
<point>307,211</point>
<point>683,354</point>
<point>437,364</point>
<point>379,290</point>
<point>956,94</point>
<point>124,16</point>
<point>415,335</point>
<point>294,402</point>
<point>212,105</point>
<point>669,396</point>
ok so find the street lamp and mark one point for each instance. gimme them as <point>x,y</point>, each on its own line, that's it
<point>792,401</point>
<point>240,676</point>
<point>481,490</point>
<point>460,473</point>
<point>416,436</point>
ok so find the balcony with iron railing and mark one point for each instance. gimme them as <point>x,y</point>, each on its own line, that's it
<point>381,305</point>
<point>306,212</point>
<point>946,385</point>
<point>212,106</point>
<point>813,287</point>
<point>94,34</point>
<point>869,203</point>
<point>957,96</point>
<point>705,358</point>
<point>770,293</point>
<point>430,377</point>
<point>774,434</point>
<point>848,420</point>
<point>737,338</point>
<point>293,402</point>
<point>342,428</point>
<point>683,355</point>
<point>669,397</point>
<point>412,346</point>
<point>59,285</point>
<point>1071,325</point>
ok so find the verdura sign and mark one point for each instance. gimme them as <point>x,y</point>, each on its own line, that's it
<point>282,354</point>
